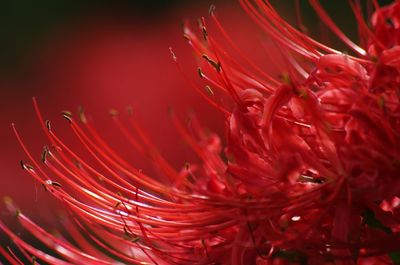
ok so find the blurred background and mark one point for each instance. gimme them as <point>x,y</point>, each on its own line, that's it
<point>111,54</point>
<point>98,55</point>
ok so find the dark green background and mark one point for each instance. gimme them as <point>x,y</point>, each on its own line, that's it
<point>23,22</point>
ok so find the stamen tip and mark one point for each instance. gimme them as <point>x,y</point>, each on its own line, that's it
<point>200,72</point>
<point>48,124</point>
<point>187,166</point>
<point>67,115</point>
<point>45,152</point>
<point>209,90</point>
<point>211,10</point>
<point>172,54</point>
<point>25,166</point>
<point>82,115</point>
<point>113,112</point>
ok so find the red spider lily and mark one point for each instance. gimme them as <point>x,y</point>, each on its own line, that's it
<point>309,174</point>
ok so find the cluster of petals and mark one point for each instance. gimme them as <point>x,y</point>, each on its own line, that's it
<point>307,172</point>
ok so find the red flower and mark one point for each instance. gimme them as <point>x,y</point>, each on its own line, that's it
<point>308,175</point>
